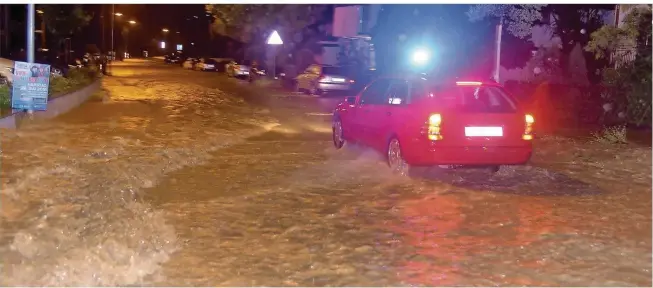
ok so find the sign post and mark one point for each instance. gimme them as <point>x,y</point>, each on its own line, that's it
<point>275,40</point>
<point>31,83</point>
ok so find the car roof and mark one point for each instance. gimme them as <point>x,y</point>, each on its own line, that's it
<point>471,81</point>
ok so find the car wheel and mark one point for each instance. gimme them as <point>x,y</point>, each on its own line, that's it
<point>295,87</point>
<point>314,91</point>
<point>395,158</point>
<point>338,138</point>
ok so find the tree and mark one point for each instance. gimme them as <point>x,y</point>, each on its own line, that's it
<point>245,22</point>
<point>629,83</point>
<point>571,24</point>
<point>62,21</point>
<point>298,25</point>
<point>520,19</point>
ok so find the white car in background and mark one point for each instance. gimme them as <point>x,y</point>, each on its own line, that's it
<point>206,64</point>
<point>237,70</point>
<point>189,63</point>
<point>6,70</point>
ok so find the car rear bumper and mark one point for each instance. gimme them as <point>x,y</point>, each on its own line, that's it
<point>457,155</point>
<point>333,86</point>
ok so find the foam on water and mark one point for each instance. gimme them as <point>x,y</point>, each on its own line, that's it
<point>72,208</point>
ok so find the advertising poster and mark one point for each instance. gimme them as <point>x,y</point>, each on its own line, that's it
<point>30,86</point>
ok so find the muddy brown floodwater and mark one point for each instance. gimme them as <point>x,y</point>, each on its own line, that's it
<point>174,177</point>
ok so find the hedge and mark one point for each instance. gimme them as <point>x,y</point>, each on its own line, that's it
<point>74,80</point>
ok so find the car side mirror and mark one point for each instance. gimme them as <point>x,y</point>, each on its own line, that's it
<point>351,100</point>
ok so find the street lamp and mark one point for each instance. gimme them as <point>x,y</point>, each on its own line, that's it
<point>118,14</point>
<point>275,40</point>
<point>126,36</point>
<point>165,30</point>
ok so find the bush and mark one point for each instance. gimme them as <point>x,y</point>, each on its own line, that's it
<point>76,79</point>
<point>611,135</point>
<point>5,96</point>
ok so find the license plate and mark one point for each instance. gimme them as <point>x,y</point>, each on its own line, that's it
<point>338,80</point>
<point>246,72</point>
<point>483,131</point>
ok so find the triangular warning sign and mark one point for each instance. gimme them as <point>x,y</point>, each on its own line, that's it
<point>275,39</point>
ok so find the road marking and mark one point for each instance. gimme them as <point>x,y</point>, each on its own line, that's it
<point>319,114</point>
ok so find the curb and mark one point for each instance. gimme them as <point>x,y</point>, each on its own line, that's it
<point>56,106</point>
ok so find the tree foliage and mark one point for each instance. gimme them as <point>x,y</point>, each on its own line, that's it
<point>298,26</point>
<point>64,20</point>
<point>634,32</point>
<point>629,85</point>
<point>250,23</point>
<point>519,19</point>
<point>570,25</point>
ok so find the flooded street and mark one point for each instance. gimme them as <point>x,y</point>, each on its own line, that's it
<point>179,178</point>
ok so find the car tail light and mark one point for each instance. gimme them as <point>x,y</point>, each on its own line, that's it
<point>323,79</point>
<point>528,130</point>
<point>469,83</point>
<point>435,120</point>
<point>352,81</point>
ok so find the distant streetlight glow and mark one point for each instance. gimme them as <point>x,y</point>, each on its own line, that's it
<point>274,38</point>
<point>163,45</point>
<point>118,14</point>
<point>39,11</point>
<point>132,22</point>
<point>165,30</point>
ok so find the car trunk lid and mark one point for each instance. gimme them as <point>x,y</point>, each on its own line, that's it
<point>479,115</point>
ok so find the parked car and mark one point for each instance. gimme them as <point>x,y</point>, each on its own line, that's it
<point>318,79</point>
<point>417,123</point>
<point>190,63</point>
<point>237,70</point>
<point>172,58</point>
<point>6,70</point>
<point>206,64</point>
<point>222,63</point>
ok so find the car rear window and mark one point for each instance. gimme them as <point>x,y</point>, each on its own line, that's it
<point>477,99</point>
<point>333,71</point>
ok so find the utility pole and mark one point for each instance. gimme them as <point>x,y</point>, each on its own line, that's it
<point>30,39</point>
<point>102,14</point>
<point>30,33</point>
<point>497,49</point>
<point>3,29</point>
<point>7,30</point>
<point>113,16</point>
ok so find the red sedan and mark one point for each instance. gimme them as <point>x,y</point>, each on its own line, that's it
<point>417,123</point>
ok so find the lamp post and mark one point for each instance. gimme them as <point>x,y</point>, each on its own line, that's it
<point>274,40</point>
<point>164,43</point>
<point>132,23</point>
<point>497,50</point>
<point>113,19</point>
